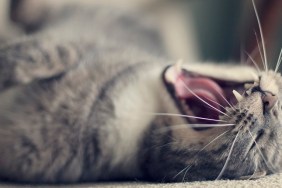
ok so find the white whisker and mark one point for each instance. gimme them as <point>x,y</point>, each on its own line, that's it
<point>182,171</point>
<point>252,54</point>
<point>164,145</point>
<point>181,115</point>
<point>203,100</point>
<point>254,62</point>
<point>213,140</point>
<point>261,154</point>
<point>226,100</point>
<point>183,126</point>
<point>260,53</point>
<point>210,125</point>
<point>187,168</point>
<point>216,103</point>
<point>261,34</point>
<point>228,157</point>
<point>253,173</point>
<point>249,177</point>
<point>279,60</point>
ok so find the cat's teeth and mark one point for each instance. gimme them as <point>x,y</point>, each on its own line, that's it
<point>170,75</point>
<point>248,86</point>
<point>248,92</point>
<point>178,66</point>
<point>237,95</point>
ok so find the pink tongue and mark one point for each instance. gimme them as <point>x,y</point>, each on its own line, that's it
<point>206,89</point>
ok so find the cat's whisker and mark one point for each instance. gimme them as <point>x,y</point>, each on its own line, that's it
<point>207,146</point>
<point>187,116</point>
<point>253,173</point>
<point>252,54</point>
<point>254,62</point>
<point>228,157</point>
<point>186,171</point>
<point>210,125</point>
<point>202,99</point>
<point>268,164</point>
<point>227,101</point>
<point>280,55</point>
<point>261,34</point>
<point>249,177</point>
<point>260,53</point>
<point>219,104</point>
<point>184,126</point>
<point>164,145</point>
<point>187,168</point>
<point>278,61</point>
<point>224,100</point>
<point>213,140</point>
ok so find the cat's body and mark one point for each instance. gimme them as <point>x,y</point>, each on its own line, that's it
<point>78,102</point>
<point>81,69</point>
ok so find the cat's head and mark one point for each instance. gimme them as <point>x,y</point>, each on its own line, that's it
<point>230,125</point>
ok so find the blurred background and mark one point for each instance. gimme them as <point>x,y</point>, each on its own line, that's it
<point>195,30</point>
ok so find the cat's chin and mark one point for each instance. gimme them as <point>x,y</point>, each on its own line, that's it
<point>200,96</point>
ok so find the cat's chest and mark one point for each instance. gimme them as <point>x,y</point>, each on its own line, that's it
<point>131,104</point>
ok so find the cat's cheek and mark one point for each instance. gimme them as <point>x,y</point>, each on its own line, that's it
<point>188,136</point>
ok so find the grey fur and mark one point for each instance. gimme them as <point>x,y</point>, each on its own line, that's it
<point>74,97</point>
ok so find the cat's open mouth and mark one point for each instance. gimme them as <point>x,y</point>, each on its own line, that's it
<point>200,95</point>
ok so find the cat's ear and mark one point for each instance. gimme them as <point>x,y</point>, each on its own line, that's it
<point>29,14</point>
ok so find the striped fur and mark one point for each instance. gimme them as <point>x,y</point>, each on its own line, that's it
<point>77,100</point>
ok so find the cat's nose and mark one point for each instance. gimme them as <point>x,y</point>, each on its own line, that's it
<point>269,100</point>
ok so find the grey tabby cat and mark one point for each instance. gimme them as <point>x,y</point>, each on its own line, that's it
<point>92,96</point>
